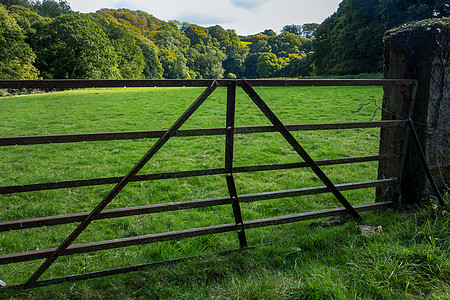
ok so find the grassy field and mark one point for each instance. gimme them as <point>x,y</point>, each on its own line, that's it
<point>409,260</point>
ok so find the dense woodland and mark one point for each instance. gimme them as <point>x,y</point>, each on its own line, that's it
<point>48,40</point>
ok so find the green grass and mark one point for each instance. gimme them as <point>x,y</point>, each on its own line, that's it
<point>299,262</point>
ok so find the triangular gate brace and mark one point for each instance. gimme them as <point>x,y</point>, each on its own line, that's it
<point>299,149</point>
<point>228,166</point>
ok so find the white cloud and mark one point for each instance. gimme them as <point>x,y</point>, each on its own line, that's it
<point>245,16</point>
<point>248,4</point>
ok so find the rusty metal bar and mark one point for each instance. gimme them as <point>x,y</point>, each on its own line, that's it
<point>167,236</point>
<point>314,215</point>
<point>117,243</point>
<point>107,83</point>
<point>229,148</point>
<point>236,211</point>
<point>297,147</point>
<point>109,136</point>
<point>183,174</point>
<point>164,207</point>
<point>330,82</point>
<point>125,180</point>
<point>115,271</point>
<point>424,162</point>
<point>229,126</point>
<point>249,225</point>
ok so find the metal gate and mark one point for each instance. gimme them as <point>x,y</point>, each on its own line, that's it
<point>67,247</point>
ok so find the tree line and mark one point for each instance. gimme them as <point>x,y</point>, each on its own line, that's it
<point>351,40</point>
<point>46,39</point>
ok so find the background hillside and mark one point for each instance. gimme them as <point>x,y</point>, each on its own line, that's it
<point>48,40</point>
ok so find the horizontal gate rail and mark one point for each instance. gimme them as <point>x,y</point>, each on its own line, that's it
<point>107,83</point>
<point>108,136</point>
<point>167,236</point>
<point>164,207</point>
<point>183,174</point>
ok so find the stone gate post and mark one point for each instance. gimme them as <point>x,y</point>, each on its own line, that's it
<point>421,51</point>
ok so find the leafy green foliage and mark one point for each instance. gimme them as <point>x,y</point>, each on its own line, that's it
<point>270,56</point>
<point>45,8</point>
<point>51,8</point>
<point>130,58</point>
<point>174,65</point>
<point>8,3</point>
<point>145,47</point>
<point>267,64</point>
<point>306,30</point>
<point>206,61</point>
<point>26,18</point>
<point>73,46</point>
<point>351,40</point>
<point>16,56</point>
<point>229,42</point>
<point>153,67</point>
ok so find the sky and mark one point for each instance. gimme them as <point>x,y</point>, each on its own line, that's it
<point>245,16</point>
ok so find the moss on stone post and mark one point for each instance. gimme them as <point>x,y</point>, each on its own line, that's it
<point>419,50</point>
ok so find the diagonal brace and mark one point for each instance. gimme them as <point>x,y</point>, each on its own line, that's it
<point>121,185</point>
<point>297,147</point>
<point>236,210</point>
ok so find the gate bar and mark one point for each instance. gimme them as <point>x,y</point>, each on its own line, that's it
<point>248,225</point>
<point>229,126</point>
<point>297,147</point>
<point>229,148</point>
<point>151,134</point>
<point>109,83</point>
<point>237,211</point>
<point>182,174</point>
<point>181,205</point>
<point>119,187</point>
<point>424,162</point>
<point>188,233</point>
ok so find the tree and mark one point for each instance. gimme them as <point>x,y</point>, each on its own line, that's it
<point>16,57</point>
<point>269,32</point>
<point>26,18</point>
<point>324,58</point>
<point>174,66</point>
<point>206,61</point>
<point>153,68</point>
<point>267,65</point>
<point>297,66</point>
<point>8,3</point>
<point>309,29</point>
<point>294,29</point>
<point>134,26</point>
<point>73,46</point>
<point>235,51</point>
<point>196,34</point>
<point>51,8</point>
<point>351,40</point>
<point>130,58</point>
<point>287,43</point>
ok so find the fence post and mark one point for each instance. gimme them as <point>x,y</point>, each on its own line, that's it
<point>417,51</point>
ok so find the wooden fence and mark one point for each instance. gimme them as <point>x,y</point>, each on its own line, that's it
<point>67,247</point>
